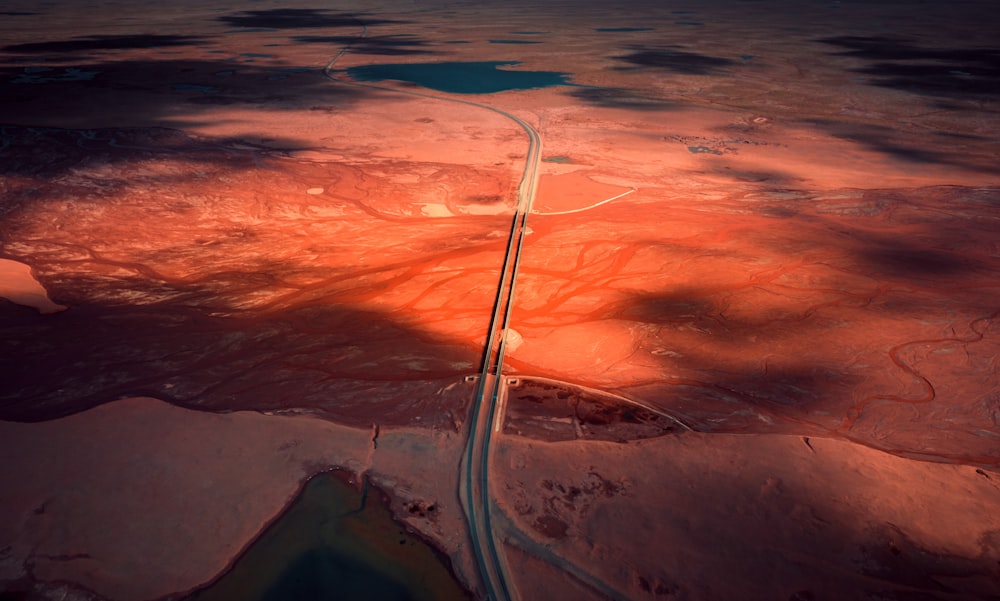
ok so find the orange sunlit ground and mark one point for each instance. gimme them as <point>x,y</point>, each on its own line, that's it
<point>753,347</point>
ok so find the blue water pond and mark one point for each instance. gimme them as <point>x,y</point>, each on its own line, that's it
<point>486,77</point>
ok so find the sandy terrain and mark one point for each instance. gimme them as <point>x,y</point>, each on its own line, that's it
<point>727,516</point>
<point>767,370</point>
<point>18,286</point>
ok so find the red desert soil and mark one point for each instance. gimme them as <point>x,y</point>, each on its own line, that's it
<point>18,286</point>
<point>221,261</point>
<point>768,372</point>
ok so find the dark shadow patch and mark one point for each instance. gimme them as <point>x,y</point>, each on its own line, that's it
<point>899,260</point>
<point>178,351</point>
<point>677,61</point>
<point>927,148</point>
<point>619,98</point>
<point>144,92</point>
<point>913,155</point>
<point>60,365</point>
<point>898,49</point>
<point>52,153</point>
<point>299,18</point>
<point>944,72</point>
<point>377,45</point>
<point>485,198</point>
<point>514,42</point>
<point>105,42</point>
<point>772,177</point>
<point>681,307</point>
<point>899,257</point>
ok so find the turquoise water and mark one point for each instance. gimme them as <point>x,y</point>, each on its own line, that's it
<point>462,78</point>
<point>336,542</point>
<point>34,75</point>
<point>703,150</point>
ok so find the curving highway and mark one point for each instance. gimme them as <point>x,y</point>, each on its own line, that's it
<point>484,412</point>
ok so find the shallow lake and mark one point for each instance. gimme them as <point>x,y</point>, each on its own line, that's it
<point>486,77</point>
<point>335,542</point>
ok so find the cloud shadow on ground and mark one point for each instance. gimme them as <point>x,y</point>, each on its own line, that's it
<point>167,92</point>
<point>387,45</point>
<point>931,148</point>
<point>676,61</point>
<point>104,42</point>
<point>300,18</point>
<point>190,343</point>
<point>320,359</point>
<point>941,72</point>
<point>620,98</point>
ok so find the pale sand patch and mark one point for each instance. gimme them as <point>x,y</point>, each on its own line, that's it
<point>493,208</point>
<point>137,499</point>
<point>431,209</point>
<point>315,191</point>
<point>569,191</point>
<point>514,340</point>
<point>18,286</point>
<point>781,517</point>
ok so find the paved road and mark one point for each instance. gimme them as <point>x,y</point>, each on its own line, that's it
<point>484,411</point>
